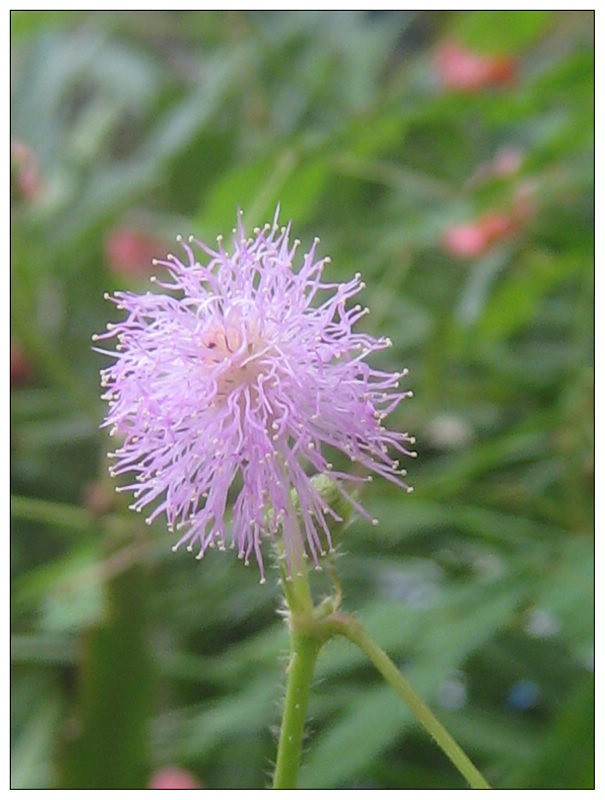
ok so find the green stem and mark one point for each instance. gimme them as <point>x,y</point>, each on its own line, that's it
<point>306,640</point>
<point>350,628</point>
<point>297,594</point>
<point>311,626</point>
<point>303,655</point>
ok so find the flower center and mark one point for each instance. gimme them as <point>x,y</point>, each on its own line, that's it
<point>231,349</point>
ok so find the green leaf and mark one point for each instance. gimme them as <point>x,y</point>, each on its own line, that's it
<point>33,749</point>
<point>29,23</point>
<point>292,180</point>
<point>111,750</point>
<point>500,31</point>
<point>565,759</point>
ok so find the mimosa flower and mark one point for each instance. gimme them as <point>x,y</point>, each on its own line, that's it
<point>235,383</point>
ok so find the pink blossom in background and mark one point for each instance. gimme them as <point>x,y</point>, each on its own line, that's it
<point>173,778</point>
<point>21,368</point>
<point>473,239</point>
<point>130,252</point>
<point>460,69</point>
<point>235,374</point>
<point>26,170</point>
<point>498,225</point>
<point>465,241</point>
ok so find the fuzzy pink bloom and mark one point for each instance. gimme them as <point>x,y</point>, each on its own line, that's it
<point>237,381</point>
<point>462,70</point>
<point>173,778</point>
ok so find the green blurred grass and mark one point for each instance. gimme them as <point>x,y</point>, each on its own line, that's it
<point>127,657</point>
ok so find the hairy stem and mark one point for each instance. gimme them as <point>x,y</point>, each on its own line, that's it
<point>303,655</point>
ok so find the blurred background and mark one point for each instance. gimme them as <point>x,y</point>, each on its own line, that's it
<point>449,158</point>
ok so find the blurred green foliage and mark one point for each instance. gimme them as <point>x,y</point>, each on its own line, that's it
<point>142,125</point>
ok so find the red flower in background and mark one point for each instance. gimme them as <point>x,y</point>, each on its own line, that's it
<point>130,251</point>
<point>21,368</point>
<point>173,778</point>
<point>461,69</point>
<point>473,239</point>
<point>26,170</point>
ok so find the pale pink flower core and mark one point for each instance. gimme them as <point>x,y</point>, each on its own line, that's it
<point>231,390</point>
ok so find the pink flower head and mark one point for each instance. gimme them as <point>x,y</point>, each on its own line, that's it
<point>233,384</point>
<point>462,70</point>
